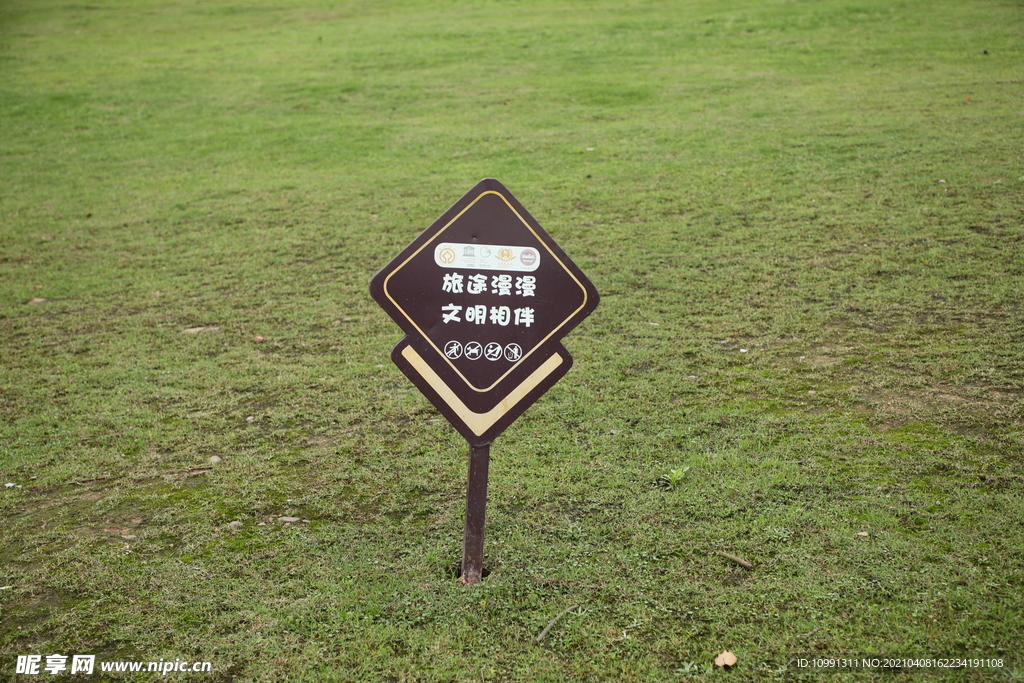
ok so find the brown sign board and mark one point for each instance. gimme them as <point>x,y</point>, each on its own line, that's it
<point>484,295</point>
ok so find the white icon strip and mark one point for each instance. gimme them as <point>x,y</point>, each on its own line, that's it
<point>486,257</point>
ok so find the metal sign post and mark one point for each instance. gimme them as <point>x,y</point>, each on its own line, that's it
<point>484,295</point>
<point>476,505</point>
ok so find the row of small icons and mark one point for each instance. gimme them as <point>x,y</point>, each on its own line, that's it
<point>475,350</point>
<point>528,256</point>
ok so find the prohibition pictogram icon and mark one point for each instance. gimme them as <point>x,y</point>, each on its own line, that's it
<point>474,350</point>
<point>453,349</point>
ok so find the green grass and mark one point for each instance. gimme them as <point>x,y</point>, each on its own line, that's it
<point>805,222</point>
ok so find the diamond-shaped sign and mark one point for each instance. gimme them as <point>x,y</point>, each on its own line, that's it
<point>484,295</point>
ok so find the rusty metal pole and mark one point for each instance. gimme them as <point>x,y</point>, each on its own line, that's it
<point>476,505</point>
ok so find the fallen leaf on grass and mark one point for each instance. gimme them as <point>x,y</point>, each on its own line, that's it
<point>862,533</point>
<point>726,659</point>
<point>196,330</point>
<point>38,300</point>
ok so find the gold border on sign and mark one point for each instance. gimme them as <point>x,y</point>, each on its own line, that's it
<point>480,422</point>
<point>432,239</point>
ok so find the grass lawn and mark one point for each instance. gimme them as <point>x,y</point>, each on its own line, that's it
<point>806,222</point>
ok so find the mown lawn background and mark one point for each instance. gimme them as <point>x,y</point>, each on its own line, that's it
<point>806,222</point>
